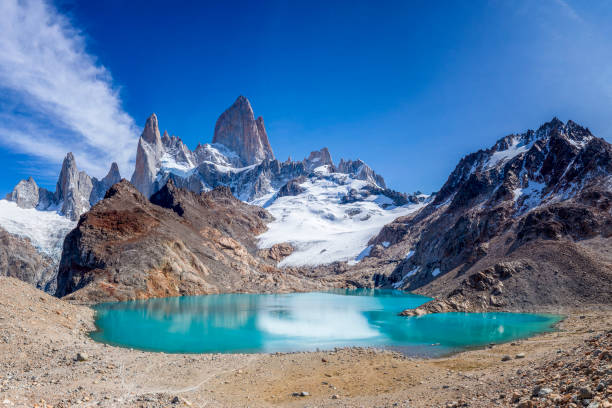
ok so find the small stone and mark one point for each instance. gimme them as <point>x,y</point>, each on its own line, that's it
<point>544,392</point>
<point>335,396</point>
<point>506,358</point>
<point>304,394</point>
<point>520,355</point>
<point>585,393</point>
<point>175,400</point>
<point>82,357</point>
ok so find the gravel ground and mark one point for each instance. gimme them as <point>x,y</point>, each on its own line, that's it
<point>47,359</point>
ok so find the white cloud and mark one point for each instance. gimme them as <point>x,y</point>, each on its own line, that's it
<point>70,101</point>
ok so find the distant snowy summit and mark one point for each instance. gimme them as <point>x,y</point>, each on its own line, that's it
<point>240,157</point>
<point>74,194</point>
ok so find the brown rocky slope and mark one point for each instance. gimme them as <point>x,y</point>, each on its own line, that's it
<point>179,243</point>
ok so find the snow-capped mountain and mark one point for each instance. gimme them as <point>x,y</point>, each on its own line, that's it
<point>74,194</point>
<point>535,207</point>
<point>314,201</point>
<point>239,157</point>
<point>329,217</point>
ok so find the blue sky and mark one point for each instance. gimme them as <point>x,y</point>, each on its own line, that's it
<point>409,86</point>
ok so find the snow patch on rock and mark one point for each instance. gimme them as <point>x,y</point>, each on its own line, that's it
<point>517,147</point>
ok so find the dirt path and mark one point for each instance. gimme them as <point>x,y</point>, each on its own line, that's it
<point>40,337</point>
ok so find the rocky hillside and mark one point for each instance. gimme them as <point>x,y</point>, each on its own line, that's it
<point>179,243</point>
<point>526,222</point>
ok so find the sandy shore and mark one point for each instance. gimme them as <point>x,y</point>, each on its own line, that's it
<point>41,336</point>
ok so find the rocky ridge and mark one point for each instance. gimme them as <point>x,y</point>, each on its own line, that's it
<point>239,157</point>
<point>527,222</point>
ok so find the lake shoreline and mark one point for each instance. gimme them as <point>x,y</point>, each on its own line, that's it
<point>314,321</point>
<point>43,338</point>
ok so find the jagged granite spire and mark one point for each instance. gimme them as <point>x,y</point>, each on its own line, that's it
<point>148,155</point>
<point>238,130</point>
<point>73,189</point>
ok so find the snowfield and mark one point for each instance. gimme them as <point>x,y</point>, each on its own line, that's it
<point>45,229</point>
<point>321,228</point>
<point>517,147</point>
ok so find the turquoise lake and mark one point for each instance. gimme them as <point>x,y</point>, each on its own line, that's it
<point>247,323</point>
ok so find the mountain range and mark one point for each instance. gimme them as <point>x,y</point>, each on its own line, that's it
<point>525,222</point>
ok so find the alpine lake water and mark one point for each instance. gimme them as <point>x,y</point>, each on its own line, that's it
<point>251,323</point>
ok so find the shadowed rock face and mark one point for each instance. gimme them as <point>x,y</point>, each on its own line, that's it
<point>538,201</point>
<point>179,243</point>
<point>239,131</point>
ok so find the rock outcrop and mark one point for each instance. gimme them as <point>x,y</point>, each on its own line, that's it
<point>319,158</point>
<point>361,171</point>
<point>239,131</point>
<point>179,243</point>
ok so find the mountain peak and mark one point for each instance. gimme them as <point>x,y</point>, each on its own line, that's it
<point>69,159</point>
<point>113,176</point>
<point>319,158</point>
<point>151,130</point>
<point>238,130</point>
